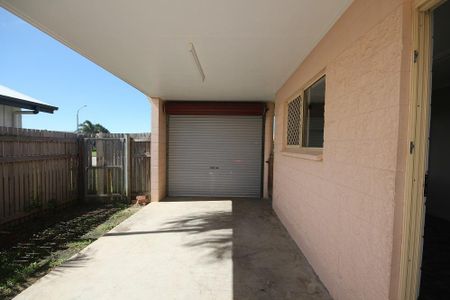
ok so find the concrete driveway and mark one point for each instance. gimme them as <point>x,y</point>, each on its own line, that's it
<point>188,249</point>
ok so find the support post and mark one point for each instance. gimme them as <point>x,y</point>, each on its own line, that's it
<point>158,150</point>
<point>268,147</point>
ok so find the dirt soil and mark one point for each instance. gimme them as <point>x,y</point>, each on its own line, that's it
<point>30,250</point>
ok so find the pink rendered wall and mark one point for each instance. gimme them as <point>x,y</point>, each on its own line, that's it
<point>344,212</point>
<point>158,172</point>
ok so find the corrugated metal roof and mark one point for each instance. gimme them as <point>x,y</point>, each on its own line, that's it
<point>13,98</point>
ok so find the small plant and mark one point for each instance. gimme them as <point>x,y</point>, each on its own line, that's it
<point>34,203</point>
<point>52,204</point>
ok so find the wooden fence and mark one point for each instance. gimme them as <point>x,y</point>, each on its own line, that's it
<point>116,166</point>
<point>140,166</point>
<point>105,160</point>
<point>40,170</point>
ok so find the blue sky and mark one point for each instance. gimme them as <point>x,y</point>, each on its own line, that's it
<point>35,64</point>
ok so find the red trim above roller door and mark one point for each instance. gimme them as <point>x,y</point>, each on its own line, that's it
<point>215,108</point>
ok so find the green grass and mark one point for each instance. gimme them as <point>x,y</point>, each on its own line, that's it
<point>16,275</point>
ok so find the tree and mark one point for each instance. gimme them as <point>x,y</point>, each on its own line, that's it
<point>87,127</point>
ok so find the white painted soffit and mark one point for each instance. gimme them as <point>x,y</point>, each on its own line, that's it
<point>247,49</point>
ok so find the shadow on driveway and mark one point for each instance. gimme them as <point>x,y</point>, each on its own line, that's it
<point>188,249</point>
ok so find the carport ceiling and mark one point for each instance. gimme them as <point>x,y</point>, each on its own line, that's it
<point>247,48</point>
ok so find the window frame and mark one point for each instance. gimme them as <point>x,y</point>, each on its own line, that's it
<point>301,93</point>
<point>300,133</point>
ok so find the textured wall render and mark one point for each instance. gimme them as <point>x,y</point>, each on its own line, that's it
<point>340,210</point>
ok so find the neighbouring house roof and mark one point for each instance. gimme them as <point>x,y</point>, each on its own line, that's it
<point>13,98</point>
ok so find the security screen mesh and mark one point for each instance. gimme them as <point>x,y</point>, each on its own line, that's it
<point>293,122</point>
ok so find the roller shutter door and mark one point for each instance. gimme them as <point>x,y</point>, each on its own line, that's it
<point>215,156</point>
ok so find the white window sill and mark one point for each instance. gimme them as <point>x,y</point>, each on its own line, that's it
<point>310,154</point>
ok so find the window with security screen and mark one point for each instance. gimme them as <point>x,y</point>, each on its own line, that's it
<point>293,122</point>
<point>305,117</point>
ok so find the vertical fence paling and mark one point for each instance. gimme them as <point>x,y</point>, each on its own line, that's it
<point>38,171</point>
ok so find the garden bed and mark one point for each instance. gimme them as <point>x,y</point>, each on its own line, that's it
<point>31,250</point>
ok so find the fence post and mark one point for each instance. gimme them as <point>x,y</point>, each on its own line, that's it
<point>128,154</point>
<point>81,169</point>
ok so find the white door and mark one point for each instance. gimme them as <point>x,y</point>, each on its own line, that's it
<point>215,156</point>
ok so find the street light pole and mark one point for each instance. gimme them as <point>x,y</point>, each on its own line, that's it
<point>78,111</point>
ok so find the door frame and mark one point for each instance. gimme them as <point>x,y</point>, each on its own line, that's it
<point>416,165</point>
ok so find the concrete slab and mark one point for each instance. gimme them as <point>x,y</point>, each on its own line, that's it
<point>188,248</point>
